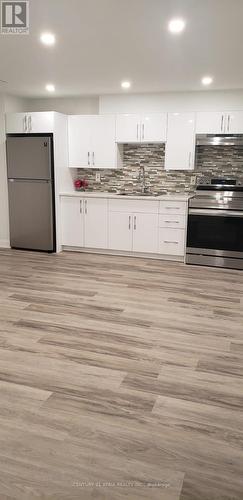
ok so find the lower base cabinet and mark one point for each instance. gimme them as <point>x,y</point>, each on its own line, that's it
<point>120,231</point>
<point>72,222</point>
<point>172,241</point>
<point>145,233</point>
<point>133,232</point>
<point>124,225</point>
<point>84,222</point>
<point>95,223</point>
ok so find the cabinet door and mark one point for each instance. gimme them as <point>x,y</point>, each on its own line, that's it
<point>16,123</point>
<point>128,128</point>
<point>180,145</point>
<point>95,225</point>
<point>234,122</point>
<point>40,123</point>
<point>79,140</point>
<point>153,127</point>
<point>72,221</point>
<point>103,142</point>
<point>145,233</point>
<point>120,231</point>
<point>210,122</point>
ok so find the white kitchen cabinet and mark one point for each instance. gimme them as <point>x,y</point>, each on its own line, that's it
<point>153,127</point>
<point>95,222</point>
<point>84,222</point>
<point>92,141</point>
<point>172,241</point>
<point>127,128</point>
<point>133,225</point>
<point>145,233</point>
<point>210,122</point>
<point>234,122</point>
<point>72,222</point>
<point>41,122</point>
<point>16,123</point>
<point>180,145</point>
<point>104,147</point>
<point>120,231</point>
<point>219,122</point>
<point>30,123</point>
<point>79,140</point>
<point>172,227</point>
<point>132,128</point>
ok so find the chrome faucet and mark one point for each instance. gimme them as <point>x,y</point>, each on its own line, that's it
<point>141,178</point>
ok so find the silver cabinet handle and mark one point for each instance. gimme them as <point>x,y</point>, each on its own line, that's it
<point>173,242</point>
<point>143,130</point>
<point>29,124</point>
<point>228,125</point>
<point>222,122</point>
<point>80,206</point>
<point>25,123</point>
<point>93,156</point>
<point>172,208</point>
<point>135,222</point>
<point>172,222</point>
<point>190,157</point>
<point>85,203</point>
<point>129,222</point>
<point>88,158</point>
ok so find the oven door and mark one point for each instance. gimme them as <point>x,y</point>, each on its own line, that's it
<point>215,232</point>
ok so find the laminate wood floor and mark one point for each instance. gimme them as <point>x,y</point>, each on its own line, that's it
<point>120,378</point>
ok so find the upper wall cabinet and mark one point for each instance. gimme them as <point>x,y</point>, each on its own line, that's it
<point>234,122</point>
<point>91,141</point>
<point>180,145</point>
<point>30,123</point>
<point>230,122</point>
<point>150,127</point>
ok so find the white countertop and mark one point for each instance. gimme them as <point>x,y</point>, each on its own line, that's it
<point>100,194</point>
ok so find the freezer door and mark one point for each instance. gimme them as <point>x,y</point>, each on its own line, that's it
<point>29,157</point>
<point>31,215</point>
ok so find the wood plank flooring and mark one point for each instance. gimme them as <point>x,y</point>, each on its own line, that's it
<point>120,378</point>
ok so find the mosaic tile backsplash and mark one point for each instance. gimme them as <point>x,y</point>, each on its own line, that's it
<point>211,161</point>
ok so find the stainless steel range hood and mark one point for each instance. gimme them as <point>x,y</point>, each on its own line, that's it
<point>219,140</point>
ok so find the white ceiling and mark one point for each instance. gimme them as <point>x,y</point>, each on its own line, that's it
<point>101,42</point>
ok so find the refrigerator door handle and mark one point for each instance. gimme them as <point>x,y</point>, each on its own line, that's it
<point>29,123</point>
<point>25,123</point>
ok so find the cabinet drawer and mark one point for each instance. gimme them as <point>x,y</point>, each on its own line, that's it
<point>131,206</point>
<point>172,220</point>
<point>172,207</point>
<point>172,241</point>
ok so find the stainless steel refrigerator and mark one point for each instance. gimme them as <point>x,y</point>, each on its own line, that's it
<point>31,192</point>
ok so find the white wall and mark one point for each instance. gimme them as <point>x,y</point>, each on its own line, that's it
<point>172,101</point>
<point>14,104</point>
<point>4,227</point>
<point>69,106</point>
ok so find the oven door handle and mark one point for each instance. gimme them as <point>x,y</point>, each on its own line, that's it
<point>217,213</point>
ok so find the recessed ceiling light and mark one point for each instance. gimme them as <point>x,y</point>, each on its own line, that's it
<point>47,38</point>
<point>125,85</point>
<point>50,87</point>
<point>207,80</point>
<point>176,25</point>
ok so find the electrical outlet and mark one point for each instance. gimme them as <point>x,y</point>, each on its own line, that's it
<point>193,179</point>
<point>97,177</point>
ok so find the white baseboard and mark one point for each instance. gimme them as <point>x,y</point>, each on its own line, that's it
<point>4,244</point>
<point>176,258</point>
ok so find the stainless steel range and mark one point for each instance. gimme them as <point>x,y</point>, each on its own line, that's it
<point>215,224</point>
